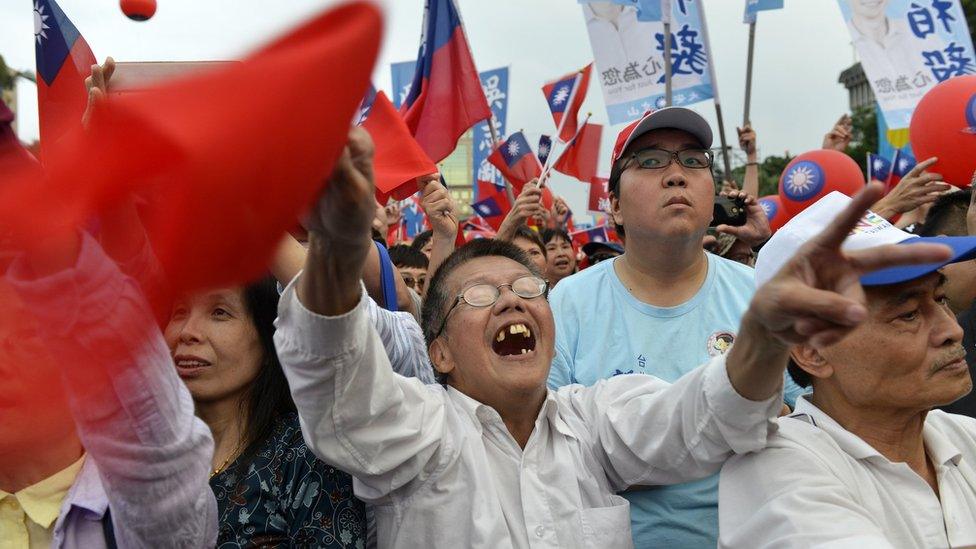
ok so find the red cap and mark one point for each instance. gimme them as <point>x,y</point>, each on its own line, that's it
<point>678,118</point>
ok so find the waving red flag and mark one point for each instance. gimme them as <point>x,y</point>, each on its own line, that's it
<point>582,153</point>
<point>227,172</point>
<point>398,160</point>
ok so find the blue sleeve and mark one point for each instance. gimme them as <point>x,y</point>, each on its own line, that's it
<point>561,372</point>
<point>791,391</point>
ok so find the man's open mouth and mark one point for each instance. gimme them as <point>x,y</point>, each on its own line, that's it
<point>513,339</point>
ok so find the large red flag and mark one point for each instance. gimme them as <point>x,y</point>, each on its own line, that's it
<point>446,97</point>
<point>565,96</point>
<point>64,60</point>
<point>398,160</point>
<point>223,187</point>
<point>582,153</point>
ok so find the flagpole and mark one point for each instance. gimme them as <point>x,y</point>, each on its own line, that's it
<point>752,45</point>
<point>667,63</point>
<point>718,104</point>
<point>545,168</point>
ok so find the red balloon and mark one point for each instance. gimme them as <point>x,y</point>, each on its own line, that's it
<point>814,174</point>
<point>775,212</point>
<point>138,10</point>
<point>944,125</point>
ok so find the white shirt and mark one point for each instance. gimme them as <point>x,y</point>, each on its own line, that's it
<point>443,471</point>
<point>819,484</point>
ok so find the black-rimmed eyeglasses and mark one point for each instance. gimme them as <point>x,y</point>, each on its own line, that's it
<point>656,159</point>
<point>485,295</point>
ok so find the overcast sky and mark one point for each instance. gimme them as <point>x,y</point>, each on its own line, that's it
<point>800,52</point>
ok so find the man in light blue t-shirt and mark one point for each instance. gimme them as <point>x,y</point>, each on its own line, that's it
<point>663,307</point>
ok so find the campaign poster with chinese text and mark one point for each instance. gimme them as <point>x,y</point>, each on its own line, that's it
<point>906,47</point>
<point>495,85</point>
<point>628,51</point>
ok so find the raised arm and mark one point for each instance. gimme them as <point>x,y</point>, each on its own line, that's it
<point>356,414</point>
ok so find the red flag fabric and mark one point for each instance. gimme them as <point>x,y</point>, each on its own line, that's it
<point>398,160</point>
<point>446,97</point>
<point>599,201</point>
<point>493,208</point>
<point>595,234</point>
<point>580,158</point>
<point>224,188</point>
<point>515,160</point>
<point>12,152</point>
<point>63,60</point>
<point>565,96</point>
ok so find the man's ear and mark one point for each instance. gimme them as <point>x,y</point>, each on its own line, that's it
<point>440,356</point>
<point>615,213</point>
<point>811,361</point>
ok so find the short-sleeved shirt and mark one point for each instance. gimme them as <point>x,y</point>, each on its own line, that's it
<point>602,331</point>
<point>286,497</point>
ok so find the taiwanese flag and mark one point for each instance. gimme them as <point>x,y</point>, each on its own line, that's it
<point>486,188</point>
<point>901,164</point>
<point>64,60</point>
<point>596,234</point>
<point>493,209</point>
<point>446,97</point>
<point>398,160</point>
<point>213,220</point>
<point>515,159</point>
<point>565,97</point>
<point>545,147</point>
<point>879,168</point>
<point>599,195</point>
<point>582,153</point>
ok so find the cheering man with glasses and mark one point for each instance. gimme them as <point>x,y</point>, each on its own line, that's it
<point>664,306</point>
<point>492,457</point>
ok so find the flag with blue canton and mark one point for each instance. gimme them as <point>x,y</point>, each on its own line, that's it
<point>879,168</point>
<point>755,6</point>
<point>514,148</point>
<point>545,147</point>
<point>516,160</point>
<point>63,60</point>
<point>367,104</point>
<point>487,208</point>
<point>493,208</point>
<point>904,163</point>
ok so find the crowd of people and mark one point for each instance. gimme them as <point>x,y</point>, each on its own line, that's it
<point>685,386</point>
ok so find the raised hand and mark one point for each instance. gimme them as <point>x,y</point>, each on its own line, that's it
<point>528,204</point>
<point>756,230</point>
<point>437,203</point>
<point>747,140</point>
<point>917,188</point>
<point>817,296</point>
<point>839,137</point>
<point>97,86</point>
<point>345,210</point>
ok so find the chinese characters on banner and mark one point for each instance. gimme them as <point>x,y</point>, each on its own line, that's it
<point>628,52</point>
<point>495,85</point>
<point>402,74</point>
<point>906,47</point>
<point>599,202</point>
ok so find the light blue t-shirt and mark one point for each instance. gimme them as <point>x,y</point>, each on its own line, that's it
<point>602,331</point>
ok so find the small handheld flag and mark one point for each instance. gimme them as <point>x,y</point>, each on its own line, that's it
<point>515,160</point>
<point>565,97</point>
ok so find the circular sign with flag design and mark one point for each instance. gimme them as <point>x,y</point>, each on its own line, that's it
<point>803,180</point>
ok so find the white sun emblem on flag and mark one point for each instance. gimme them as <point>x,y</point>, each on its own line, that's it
<point>39,22</point>
<point>877,165</point>
<point>543,149</point>
<point>801,180</point>
<point>562,94</point>
<point>767,208</point>
<point>902,164</point>
<point>513,149</point>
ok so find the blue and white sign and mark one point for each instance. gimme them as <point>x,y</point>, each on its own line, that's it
<point>906,47</point>
<point>629,57</point>
<point>402,74</point>
<point>755,6</point>
<point>495,85</point>
<point>803,181</point>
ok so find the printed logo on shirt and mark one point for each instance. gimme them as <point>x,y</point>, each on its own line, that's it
<point>719,343</point>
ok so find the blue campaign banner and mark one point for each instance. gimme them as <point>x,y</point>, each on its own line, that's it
<point>629,58</point>
<point>402,74</point>
<point>925,42</point>
<point>755,6</point>
<point>495,85</point>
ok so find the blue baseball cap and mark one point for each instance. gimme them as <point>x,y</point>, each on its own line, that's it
<point>871,231</point>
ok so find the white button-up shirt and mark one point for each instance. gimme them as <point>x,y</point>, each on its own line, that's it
<point>817,483</point>
<point>443,470</point>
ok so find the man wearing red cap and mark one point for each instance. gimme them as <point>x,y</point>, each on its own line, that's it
<point>665,305</point>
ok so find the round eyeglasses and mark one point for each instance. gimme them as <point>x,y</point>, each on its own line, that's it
<point>655,159</point>
<point>485,295</point>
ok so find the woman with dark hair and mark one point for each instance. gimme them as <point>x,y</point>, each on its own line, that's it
<point>270,489</point>
<point>560,255</point>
